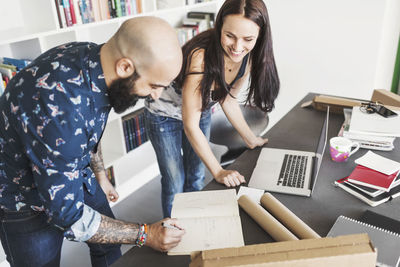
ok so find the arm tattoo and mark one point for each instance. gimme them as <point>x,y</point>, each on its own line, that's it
<point>96,160</point>
<point>113,231</point>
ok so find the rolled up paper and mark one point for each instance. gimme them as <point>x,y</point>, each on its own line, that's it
<point>287,217</point>
<point>271,225</point>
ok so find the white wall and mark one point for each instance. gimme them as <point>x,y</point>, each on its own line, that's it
<point>330,47</point>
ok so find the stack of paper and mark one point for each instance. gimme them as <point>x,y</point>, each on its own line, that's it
<point>373,124</point>
<point>375,180</point>
<point>367,141</point>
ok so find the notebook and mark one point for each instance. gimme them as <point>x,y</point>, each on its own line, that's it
<point>210,218</point>
<point>381,221</point>
<point>386,242</point>
<point>370,200</point>
<point>290,171</point>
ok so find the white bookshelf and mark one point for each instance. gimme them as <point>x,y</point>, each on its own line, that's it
<point>39,31</point>
<point>36,29</point>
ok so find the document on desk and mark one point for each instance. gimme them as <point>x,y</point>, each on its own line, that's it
<point>373,124</point>
<point>210,218</point>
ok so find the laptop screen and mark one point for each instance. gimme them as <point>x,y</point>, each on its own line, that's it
<point>320,148</point>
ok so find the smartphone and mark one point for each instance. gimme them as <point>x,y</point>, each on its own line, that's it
<point>385,112</point>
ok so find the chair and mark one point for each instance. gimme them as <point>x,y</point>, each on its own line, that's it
<point>223,133</point>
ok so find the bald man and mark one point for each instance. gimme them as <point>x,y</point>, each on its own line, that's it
<point>53,114</point>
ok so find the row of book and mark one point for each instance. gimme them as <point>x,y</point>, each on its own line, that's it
<point>373,185</point>
<point>75,12</point>
<point>110,175</point>
<point>192,2</point>
<point>134,130</point>
<point>194,23</point>
<point>8,68</point>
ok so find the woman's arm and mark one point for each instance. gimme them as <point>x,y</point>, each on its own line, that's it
<point>191,114</point>
<point>235,116</point>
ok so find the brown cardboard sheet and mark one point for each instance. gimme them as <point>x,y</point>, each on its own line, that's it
<point>344,251</point>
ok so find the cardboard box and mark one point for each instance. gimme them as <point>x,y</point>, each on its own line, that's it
<point>386,97</point>
<point>336,104</point>
<point>348,250</point>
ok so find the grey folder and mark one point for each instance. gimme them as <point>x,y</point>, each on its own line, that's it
<point>387,243</point>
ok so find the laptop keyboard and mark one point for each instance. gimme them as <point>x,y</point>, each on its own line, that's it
<point>293,171</point>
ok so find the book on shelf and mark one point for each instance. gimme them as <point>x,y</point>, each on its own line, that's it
<point>193,25</point>
<point>67,13</point>
<point>104,10</point>
<point>134,129</point>
<point>96,10</point>
<point>110,175</point>
<point>71,12</point>
<point>208,16</point>
<point>18,63</point>
<point>367,141</point>
<point>372,201</point>
<point>386,242</point>
<point>2,85</point>
<point>78,15</point>
<point>371,178</point>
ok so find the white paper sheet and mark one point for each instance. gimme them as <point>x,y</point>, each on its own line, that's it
<point>253,193</point>
<point>374,124</point>
<point>378,163</point>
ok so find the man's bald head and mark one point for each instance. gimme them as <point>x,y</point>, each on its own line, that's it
<point>148,41</point>
<point>141,59</point>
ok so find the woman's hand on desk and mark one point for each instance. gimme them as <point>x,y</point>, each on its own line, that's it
<point>257,141</point>
<point>229,178</point>
<point>164,238</point>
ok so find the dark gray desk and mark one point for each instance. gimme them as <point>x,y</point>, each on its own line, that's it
<point>298,129</point>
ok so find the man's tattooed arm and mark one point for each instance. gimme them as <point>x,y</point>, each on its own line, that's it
<point>113,231</point>
<point>96,160</point>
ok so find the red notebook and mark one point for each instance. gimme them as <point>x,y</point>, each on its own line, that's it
<point>371,178</point>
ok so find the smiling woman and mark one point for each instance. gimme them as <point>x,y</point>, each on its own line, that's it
<point>216,65</point>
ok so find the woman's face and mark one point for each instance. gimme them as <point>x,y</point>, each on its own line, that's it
<point>238,36</point>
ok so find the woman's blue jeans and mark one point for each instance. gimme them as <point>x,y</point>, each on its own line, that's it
<point>28,240</point>
<point>180,167</point>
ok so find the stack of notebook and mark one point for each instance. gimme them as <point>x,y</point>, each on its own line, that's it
<point>375,180</point>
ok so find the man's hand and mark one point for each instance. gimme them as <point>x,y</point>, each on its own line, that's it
<point>229,178</point>
<point>163,239</point>
<point>108,188</point>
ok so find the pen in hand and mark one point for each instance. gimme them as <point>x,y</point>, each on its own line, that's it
<point>167,225</point>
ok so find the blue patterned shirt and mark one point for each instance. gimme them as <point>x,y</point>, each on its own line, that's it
<point>52,115</point>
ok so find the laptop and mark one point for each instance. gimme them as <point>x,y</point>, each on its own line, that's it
<point>290,171</point>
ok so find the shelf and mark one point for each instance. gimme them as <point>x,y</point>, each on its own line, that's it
<point>48,25</point>
<point>114,116</point>
<point>136,182</point>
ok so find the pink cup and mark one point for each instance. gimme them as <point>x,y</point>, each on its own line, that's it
<point>341,148</point>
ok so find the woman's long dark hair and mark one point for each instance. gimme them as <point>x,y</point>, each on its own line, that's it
<point>264,80</point>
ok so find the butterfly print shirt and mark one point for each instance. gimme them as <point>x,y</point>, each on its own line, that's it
<point>52,114</point>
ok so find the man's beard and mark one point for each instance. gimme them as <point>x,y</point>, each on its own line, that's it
<point>119,93</point>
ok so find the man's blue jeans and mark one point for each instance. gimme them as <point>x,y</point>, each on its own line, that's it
<point>28,240</point>
<point>180,167</point>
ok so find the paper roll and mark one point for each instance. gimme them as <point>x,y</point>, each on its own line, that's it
<point>287,217</point>
<point>271,225</point>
